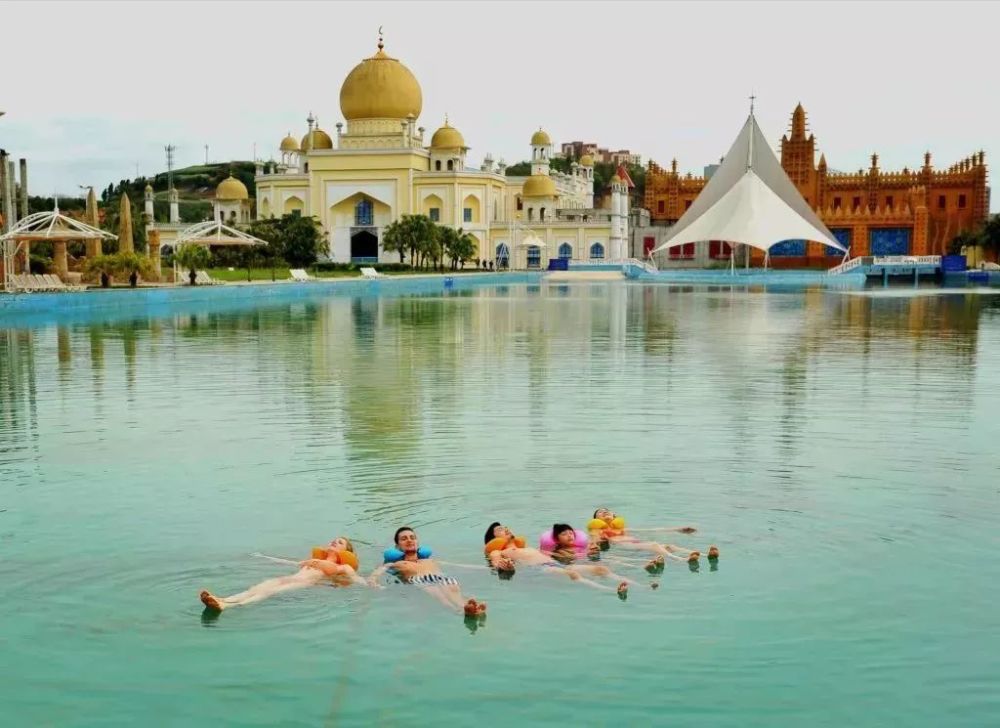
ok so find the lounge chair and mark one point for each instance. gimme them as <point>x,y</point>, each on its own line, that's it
<point>370,273</point>
<point>21,283</point>
<point>299,274</point>
<point>55,283</point>
<point>203,279</point>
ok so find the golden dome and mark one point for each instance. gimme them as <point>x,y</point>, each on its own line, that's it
<point>540,138</point>
<point>149,188</point>
<point>231,189</point>
<point>322,139</point>
<point>289,144</point>
<point>539,185</point>
<point>380,87</point>
<point>447,137</point>
<point>586,161</point>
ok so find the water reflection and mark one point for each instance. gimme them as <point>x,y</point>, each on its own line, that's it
<point>373,371</point>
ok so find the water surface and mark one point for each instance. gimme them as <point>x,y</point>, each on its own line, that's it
<point>839,447</point>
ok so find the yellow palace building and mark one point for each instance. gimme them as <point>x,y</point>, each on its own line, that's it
<point>378,167</point>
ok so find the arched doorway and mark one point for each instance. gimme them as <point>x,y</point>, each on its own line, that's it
<point>364,247</point>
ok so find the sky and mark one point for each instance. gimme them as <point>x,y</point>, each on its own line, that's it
<point>99,93</point>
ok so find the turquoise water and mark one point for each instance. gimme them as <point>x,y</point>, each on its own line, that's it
<point>839,447</point>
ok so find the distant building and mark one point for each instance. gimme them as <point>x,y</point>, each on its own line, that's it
<point>576,150</point>
<point>916,211</point>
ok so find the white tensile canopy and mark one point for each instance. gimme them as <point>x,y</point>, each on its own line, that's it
<point>213,232</point>
<point>750,200</point>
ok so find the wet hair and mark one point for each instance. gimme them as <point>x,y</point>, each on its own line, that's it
<point>558,528</point>
<point>395,538</point>
<point>350,546</point>
<point>489,532</point>
<point>602,508</point>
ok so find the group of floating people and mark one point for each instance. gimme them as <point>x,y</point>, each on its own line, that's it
<point>581,556</point>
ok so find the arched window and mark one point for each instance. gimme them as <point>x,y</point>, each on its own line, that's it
<point>451,165</point>
<point>363,213</point>
<point>541,214</point>
<point>531,213</point>
<point>534,256</point>
<point>565,250</point>
<point>596,251</point>
<point>437,166</point>
<point>520,203</point>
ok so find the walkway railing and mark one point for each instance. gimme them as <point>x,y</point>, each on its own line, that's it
<point>846,266</point>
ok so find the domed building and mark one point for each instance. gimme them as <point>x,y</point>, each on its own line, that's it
<point>378,166</point>
<point>232,202</point>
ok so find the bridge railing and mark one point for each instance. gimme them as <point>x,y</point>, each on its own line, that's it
<point>846,266</point>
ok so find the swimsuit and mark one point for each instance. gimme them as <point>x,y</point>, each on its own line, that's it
<point>433,580</point>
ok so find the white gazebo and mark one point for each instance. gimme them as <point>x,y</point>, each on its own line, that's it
<point>50,226</point>
<point>751,201</point>
<point>213,232</point>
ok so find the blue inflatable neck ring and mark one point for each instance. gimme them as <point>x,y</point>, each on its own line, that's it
<point>392,555</point>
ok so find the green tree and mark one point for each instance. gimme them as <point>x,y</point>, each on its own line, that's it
<point>458,245</point>
<point>965,239</point>
<point>302,240</point>
<point>193,257</point>
<point>413,233</point>
<point>102,267</point>
<point>132,265</point>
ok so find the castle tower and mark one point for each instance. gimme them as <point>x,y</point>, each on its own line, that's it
<point>798,156</point>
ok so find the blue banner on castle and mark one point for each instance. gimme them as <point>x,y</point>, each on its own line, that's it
<point>890,241</point>
<point>843,236</point>
<point>788,249</point>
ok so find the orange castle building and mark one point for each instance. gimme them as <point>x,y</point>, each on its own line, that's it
<point>873,212</point>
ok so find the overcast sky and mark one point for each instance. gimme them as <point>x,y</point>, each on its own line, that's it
<point>92,90</point>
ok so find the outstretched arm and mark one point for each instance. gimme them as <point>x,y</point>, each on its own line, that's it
<point>675,529</point>
<point>465,566</point>
<point>377,573</point>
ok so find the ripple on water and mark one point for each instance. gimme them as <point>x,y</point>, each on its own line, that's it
<point>838,448</point>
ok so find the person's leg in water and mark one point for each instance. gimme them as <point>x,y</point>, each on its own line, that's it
<point>601,570</point>
<point>661,550</point>
<point>450,595</point>
<point>575,575</point>
<point>301,579</point>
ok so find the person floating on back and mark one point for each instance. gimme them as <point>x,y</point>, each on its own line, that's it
<point>336,564</point>
<point>414,565</point>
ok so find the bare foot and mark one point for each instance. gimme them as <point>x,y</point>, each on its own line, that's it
<point>481,609</point>
<point>693,556</point>
<point>713,552</point>
<point>623,591</point>
<point>471,608</point>
<point>655,565</point>
<point>211,601</point>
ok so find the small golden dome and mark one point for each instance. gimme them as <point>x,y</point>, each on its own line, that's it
<point>289,144</point>
<point>540,138</point>
<point>447,137</point>
<point>231,189</point>
<point>380,87</point>
<point>322,139</point>
<point>586,161</point>
<point>539,185</point>
<point>149,187</point>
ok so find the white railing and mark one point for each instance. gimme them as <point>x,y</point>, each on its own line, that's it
<point>847,265</point>
<point>907,260</point>
<point>645,265</point>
